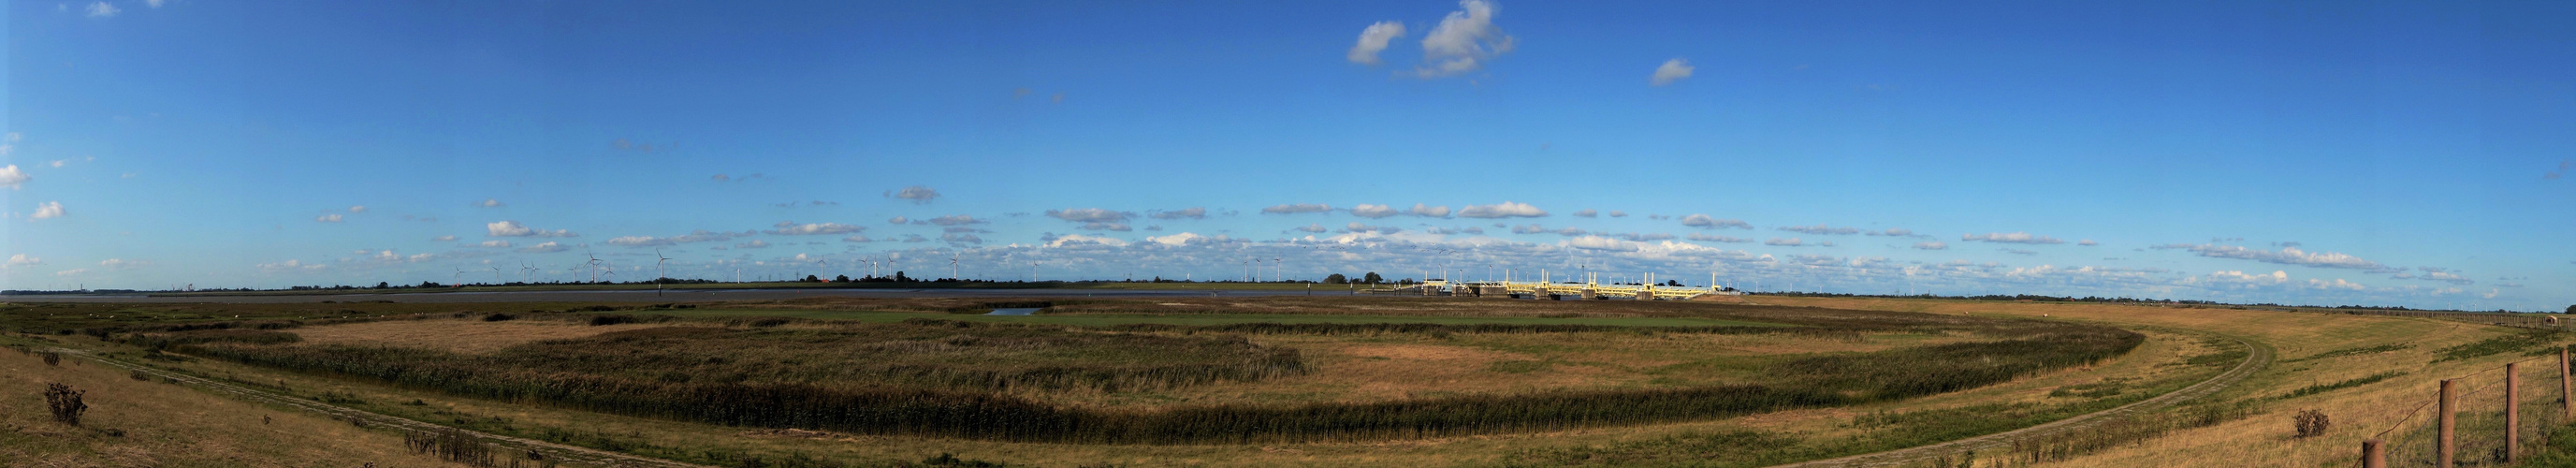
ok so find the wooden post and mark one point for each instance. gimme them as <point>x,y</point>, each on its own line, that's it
<point>2373,454</point>
<point>2512,410</point>
<point>2566,388</point>
<point>2442,447</point>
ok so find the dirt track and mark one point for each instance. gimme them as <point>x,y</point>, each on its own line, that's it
<point>2258,357</point>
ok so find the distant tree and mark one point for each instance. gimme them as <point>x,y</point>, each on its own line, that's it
<point>429,284</point>
<point>1372,278</point>
<point>841,278</point>
<point>1336,278</point>
<point>812,279</point>
<point>382,285</point>
<point>2571,309</point>
<point>900,278</point>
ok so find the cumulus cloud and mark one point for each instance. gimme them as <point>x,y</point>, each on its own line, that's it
<point>123,264</point>
<point>1671,71</point>
<point>1316,227</point>
<point>328,218</point>
<point>2337,284</point>
<point>488,203</point>
<point>1601,244</point>
<point>1931,245</point>
<point>790,228</point>
<point>2015,251</point>
<point>2087,243</point>
<point>358,209</point>
<point>1587,213</point>
<point>1820,229</point>
<point>1363,228</point>
<point>2239,277</point>
<point>1713,238</point>
<point>2285,256</point>
<point>45,210</point>
<point>22,260</point>
<point>548,247</point>
<point>631,241</point>
<point>1893,232</point>
<point>1463,42</point>
<point>1428,211</point>
<point>1195,212</point>
<point>497,244</point>
<point>955,220</point>
<point>1506,209</point>
<point>72,272</point>
<point>291,266</point>
<point>1365,210</point>
<point>754,244</point>
<point>1297,208</point>
<point>103,10</point>
<point>1080,240</point>
<point>897,220</point>
<point>1705,222</point>
<point>960,239</point>
<point>12,177</point>
<point>1374,39</point>
<point>2011,238</point>
<point>514,229</point>
<point>446,238</point>
<point>917,194</point>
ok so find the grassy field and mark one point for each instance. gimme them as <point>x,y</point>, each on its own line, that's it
<point>2351,367</point>
<point>920,285</point>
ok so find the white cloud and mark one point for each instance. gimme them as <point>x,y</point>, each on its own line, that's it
<point>1374,39</point>
<point>1195,212</point>
<point>1297,208</point>
<point>1363,228</point>
<point>1078,239</point>
<point>1587,213</point>
<point>488,203</point>
<point>2011,238</point>
<point>1463,41</point>
<point>358,209</point>
<point>514,229</point>
<point>155,3</point>
<point>103,10</point>
<point>1602,244</point>
<point>22,260</point>
<point>547,247</point>
<point>1365,210</point>
<point>1931,245</point>
<point>291,266</point>
<point>2286,256</point>
<point>2232,276</point>
<point>328,218</point>
<point>122,264</point>
<point>917,194</point>
<point>1893,232</point>
<point>1428,211</point>
<point>59,162</point>
<point>1186,238</point>
<point>1316,227</point>
<point>1671,71</point>
<point>897,220</point>
<point>2338,283</point>
<point>72,272</point>
<point>1705,222</point>
<point>1505,209</point>
<point>857,239</point>
<point>1789,242</point>
<point>44,210</point>
<point>1709,238</point>
<point>1821,229</point>
<point>12,177</point>
<point>790,228</point>
<point>447,238</point>
<point>754,244</point>
<point>2087,243</point>
<point>497,244</point>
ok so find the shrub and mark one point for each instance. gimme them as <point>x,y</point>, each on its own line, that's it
<point>2311,423</point>
<point>51,358</point>
<point>597,320</point>
<point>139,376</point>
<point>496,317</point>
<point>65,403</point>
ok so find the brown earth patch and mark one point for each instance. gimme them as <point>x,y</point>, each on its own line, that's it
<point>463,336</point>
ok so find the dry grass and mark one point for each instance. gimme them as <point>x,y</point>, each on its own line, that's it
<point>466,335</point>
<point>169,425</point>
<point>2269,439</point>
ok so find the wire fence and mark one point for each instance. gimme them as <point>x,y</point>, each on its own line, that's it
<point>2492,417</point>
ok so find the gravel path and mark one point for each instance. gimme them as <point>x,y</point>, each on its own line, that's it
<point>2257,358</point>
<point>502,444</point>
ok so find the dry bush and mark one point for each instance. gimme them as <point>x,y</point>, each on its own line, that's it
<point>51,358</point>
<point>65,403</point>
<point>2311,423</point>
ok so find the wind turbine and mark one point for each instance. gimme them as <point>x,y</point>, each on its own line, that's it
<point>460,275</point>
<point>952,266</point>
<point>594,266</point>
<point>1278,269</point>
<point>659,271</point>
<point>496,274</point>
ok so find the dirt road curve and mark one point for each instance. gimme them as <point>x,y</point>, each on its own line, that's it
<point>505,444</point>
<point>2258,357</point>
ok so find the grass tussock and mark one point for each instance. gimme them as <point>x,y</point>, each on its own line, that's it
<point>2339,385</point>
<point>2355,351</point>
<point>2525,341</point>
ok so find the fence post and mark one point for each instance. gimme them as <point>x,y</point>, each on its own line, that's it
<point>2442,448</point>
<point>2566,388</point>
<point>2512,410</point>
<point>2373,454</point>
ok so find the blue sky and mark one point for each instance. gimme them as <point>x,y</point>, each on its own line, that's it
<point>2308,152</point>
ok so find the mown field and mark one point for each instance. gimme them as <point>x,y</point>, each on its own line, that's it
<point>1365,380</point>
